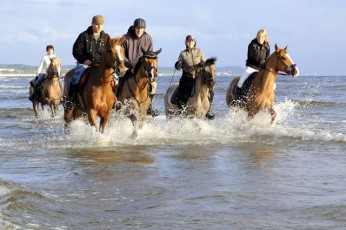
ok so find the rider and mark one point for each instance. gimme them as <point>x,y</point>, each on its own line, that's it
<point>41,71</point>
<point>190,60</point>
<point>87,50</point>
<point>257,55</point>
<point>137,41</point>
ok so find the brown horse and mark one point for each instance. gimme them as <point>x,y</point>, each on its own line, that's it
<point>198,103</point>
<point>135,92</point>
<point>97,87</point>
<point>50,91</point>
<point>261,92</point>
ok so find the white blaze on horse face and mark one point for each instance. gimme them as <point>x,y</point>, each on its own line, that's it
<point>118,48</point>
<point>296,67</point>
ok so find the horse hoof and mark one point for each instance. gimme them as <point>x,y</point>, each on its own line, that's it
<point>210,116</point>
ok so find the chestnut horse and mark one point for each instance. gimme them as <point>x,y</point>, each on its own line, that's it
<point>135,92</point>
<point>97,87</point>
<point>261,92</point>
<point>50,91</point>
<point>198,103</point>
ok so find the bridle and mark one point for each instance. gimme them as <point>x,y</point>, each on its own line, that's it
<point>53,73</point>
<point>148,73</point>
<point>290,69</point>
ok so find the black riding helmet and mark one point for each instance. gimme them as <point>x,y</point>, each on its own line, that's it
<point>139,23</point>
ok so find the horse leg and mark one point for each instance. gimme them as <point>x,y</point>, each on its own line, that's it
<point>68,115</point>
<point>92,118</point>
<point>273,114</point>
<point>104,121</point>
<point>35,106</point>
<point>52,108</point>
<point>134,120</point>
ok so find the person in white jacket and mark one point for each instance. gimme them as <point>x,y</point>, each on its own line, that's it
<point>42,69</point>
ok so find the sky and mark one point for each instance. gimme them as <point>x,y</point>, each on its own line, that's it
<point>313,30</point>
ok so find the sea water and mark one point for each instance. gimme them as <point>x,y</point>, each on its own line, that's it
<point>227,173</point>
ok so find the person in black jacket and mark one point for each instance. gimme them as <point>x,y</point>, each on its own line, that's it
<point>257,55</point>
<point>90,44</point>
<point>87,50</point>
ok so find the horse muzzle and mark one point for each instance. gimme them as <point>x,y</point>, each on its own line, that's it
<point>293,70</point>
<point>151,73</point>
<point>120,69</point>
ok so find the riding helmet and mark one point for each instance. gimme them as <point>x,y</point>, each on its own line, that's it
<point>139,23</point>
<point>189,37</point>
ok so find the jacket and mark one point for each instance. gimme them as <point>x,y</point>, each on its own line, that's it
<point>134,47</point>
<point>257,54</point>
<point>87,48</point>
<point>190,61</point>
<point>44,64</point>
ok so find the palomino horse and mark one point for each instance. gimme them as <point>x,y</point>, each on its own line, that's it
<point>136,89</point>
<point>261,92</point>
<point>50,91</point>
<point>97,87</point>
<point>198,103</point>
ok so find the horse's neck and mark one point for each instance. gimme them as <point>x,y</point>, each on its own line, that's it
<point>200,88</point>
<point>141,78</point>
<point>266,79</point>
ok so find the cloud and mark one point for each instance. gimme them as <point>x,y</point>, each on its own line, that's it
<point>312,29</point>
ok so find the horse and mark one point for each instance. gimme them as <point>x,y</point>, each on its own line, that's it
<point>198,103</point>
<point>96,96</point>
<point>260,95</point>
<point>50,91</point>
<point>135,93</point>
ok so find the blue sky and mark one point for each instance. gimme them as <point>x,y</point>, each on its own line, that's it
<point>314,30</point>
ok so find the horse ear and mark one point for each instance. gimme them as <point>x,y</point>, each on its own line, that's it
<point>122,39</point>
<point>276,47</point>
<point>157,52</point>
<point>285,48</point>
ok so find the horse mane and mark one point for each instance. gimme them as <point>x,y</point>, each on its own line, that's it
<point>210,61</point>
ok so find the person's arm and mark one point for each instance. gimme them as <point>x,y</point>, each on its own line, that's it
<point>268,52</point>
<point>40,67</point>
<point>178,64</point>
<point>250,53</point>
<point>150,42</point>
<point>202,60</point>
<point>78,48</point>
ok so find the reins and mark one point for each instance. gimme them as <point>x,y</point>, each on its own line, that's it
<point>132,93</point>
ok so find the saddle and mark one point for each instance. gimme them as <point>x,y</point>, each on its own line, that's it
<point>174,98</point>
<point>246,87</point>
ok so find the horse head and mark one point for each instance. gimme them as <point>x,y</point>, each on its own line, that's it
<point>208,72</point>
<point>285,63</point>
<point>150,63</point>
<point>117,51</point>
<point>54,69</point>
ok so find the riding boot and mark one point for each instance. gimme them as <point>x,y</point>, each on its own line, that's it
<point>152,111</point>
<point>238,93</point>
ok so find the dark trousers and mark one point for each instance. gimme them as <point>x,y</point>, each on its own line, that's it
<point>122,81</point>
<point>186,85</point>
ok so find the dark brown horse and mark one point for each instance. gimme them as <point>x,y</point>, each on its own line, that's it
<point>261,92</point>
<point>97,87</point>
<point>50,91</point>
<point>198,103</point>
<point>134,95</point>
